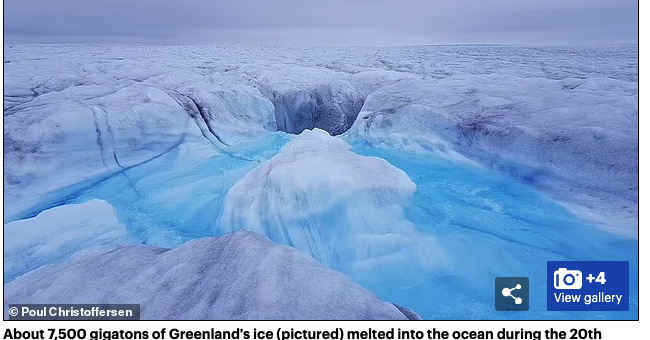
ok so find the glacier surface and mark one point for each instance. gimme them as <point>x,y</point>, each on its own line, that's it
<point>446,166</point>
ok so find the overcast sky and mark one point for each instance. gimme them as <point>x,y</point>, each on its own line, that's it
<point>391,22</point>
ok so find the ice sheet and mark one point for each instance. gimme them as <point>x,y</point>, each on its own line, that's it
<point>513,152</point>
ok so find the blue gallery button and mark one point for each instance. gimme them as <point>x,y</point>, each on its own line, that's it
<point>588,285</point>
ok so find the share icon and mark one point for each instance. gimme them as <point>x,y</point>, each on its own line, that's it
<point>508,292</point>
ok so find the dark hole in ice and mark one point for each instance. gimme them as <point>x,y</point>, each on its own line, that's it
<point>323,108</point>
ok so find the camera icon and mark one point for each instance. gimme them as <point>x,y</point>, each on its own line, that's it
<point>567,279</point>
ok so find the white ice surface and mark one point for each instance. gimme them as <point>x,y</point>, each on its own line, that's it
<point>239,276</point>
<point>58,233</point>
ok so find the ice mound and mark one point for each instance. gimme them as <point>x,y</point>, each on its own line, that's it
<point>58,233</point>
<point>342,208</point>
<point>239,276</point>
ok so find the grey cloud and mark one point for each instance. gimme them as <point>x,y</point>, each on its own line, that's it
<point>405,21</point>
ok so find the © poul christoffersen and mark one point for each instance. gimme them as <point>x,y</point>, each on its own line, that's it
<point>321,160</point>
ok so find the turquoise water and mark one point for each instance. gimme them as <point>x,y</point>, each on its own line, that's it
<point>484,225</point>
<point>491,226</point>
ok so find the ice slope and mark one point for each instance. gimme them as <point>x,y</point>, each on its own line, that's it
<point>226,114</point>
<point>78,136</point>
<point>343,209</point>
<point>574,138</point>
<point>240,276</point>
<point>58,233</point>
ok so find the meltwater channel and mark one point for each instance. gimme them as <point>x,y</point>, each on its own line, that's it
<point>481,224</point>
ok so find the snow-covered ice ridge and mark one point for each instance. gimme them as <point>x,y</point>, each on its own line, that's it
<point>241,276</point>
<point>449,164</point>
